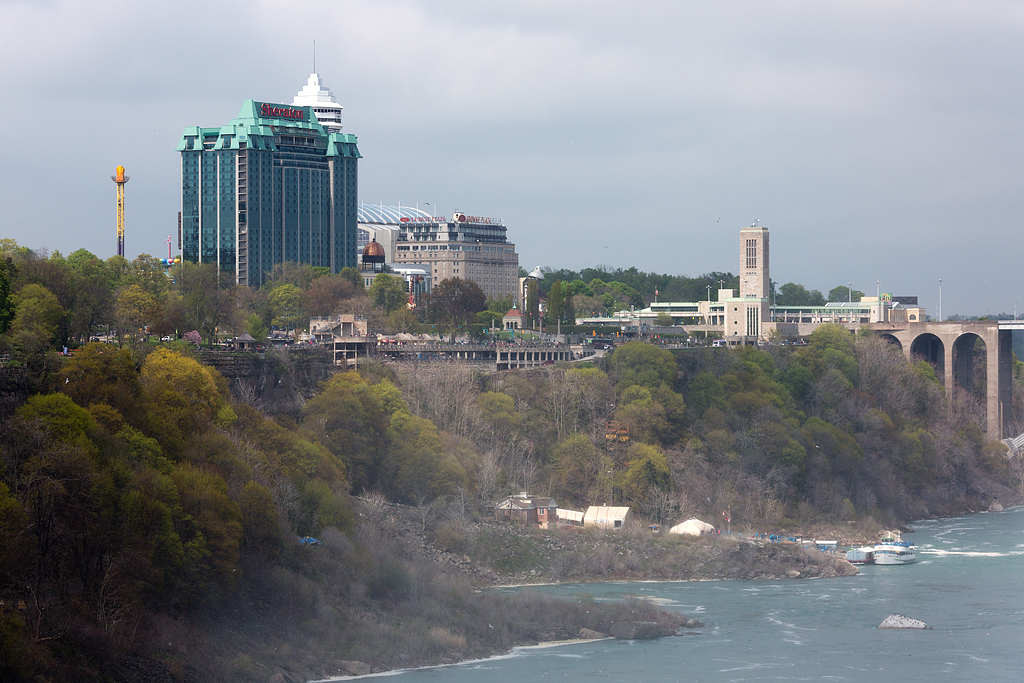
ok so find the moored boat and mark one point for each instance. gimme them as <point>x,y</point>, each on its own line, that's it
<point>892,549</point>
<point>862,555</point>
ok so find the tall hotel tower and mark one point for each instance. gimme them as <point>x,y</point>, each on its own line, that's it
<point>746,315</point>
<point>278,183</point>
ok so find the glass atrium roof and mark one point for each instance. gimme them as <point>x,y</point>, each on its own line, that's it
<point>388,215</point>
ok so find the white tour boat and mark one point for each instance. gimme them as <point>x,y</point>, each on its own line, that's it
<point>892,549</point>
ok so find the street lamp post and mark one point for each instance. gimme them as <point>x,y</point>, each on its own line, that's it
<point>940,299</point>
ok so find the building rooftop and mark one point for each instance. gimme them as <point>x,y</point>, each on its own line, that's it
<point>326,107</point>
<point>373,249</point>
<point>382,214</point>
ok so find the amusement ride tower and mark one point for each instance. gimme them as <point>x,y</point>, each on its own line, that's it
<point>120,179</point>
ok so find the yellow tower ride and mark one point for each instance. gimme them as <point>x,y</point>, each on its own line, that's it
<point>120,179</point>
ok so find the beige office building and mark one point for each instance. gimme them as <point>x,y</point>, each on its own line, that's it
<point>467,247</point>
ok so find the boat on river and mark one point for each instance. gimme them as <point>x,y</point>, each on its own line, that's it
<point>892,549</point>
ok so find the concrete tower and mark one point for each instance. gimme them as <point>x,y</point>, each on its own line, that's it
<point>754,282</point>
<point>747,314</point>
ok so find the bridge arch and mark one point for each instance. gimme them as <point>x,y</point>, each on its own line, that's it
<point>930,347</point>
<point>951,348</point>
<point>892,339</point>
<point>964,360</point>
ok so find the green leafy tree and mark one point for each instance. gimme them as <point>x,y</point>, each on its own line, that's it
<point>201,296</point>
<point>792,294</point>
<point>148,273</point>
<point>581,471</point>
<point>419,466</point>
<point>97,374</point>
<point>353,276</point>
<point>454,302</point>
<point>402,320</point>
<point>643,364</point>
<point>645,416</point>
<point>348,418</point>
<point>489,318</point>
<point>390,396</point>
<point>286,303</point>
<point>94,294</point>
<point>211,528</point>
<point>8,306</point>
<point>182,396</point>
<point>502,304</point>
<point>532,311</point>
<point>498,413</point>
<point>63,420</point>
<point>831,346</point>
<point>261,528</point>
<point>322,507</point>
<point>844,293</point>
<point>134,309</point>
<point>38,319</point>
<point>256,327</point>
<point>388,292</point>
<point>301,275</point>
<point>648,470</point>
<point>556,302</point>
<point>325,294</point>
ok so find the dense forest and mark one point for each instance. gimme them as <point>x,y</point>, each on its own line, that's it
<point>137,493</point>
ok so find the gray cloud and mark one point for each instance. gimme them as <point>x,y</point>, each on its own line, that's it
<point>877,141</point>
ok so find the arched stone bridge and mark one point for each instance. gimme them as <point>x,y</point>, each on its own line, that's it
<point>949,347</point>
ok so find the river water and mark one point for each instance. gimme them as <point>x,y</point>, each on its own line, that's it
<point>967,584</point>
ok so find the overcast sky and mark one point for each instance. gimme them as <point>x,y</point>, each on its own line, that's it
<point>877,141</point>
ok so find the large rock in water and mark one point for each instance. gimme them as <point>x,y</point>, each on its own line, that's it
<point>635,630</point>
<point>901,621</point>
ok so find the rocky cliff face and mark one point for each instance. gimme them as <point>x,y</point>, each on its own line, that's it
<point>277,382</point>
<point>16,386</point>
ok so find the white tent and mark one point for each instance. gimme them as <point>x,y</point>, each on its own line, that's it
<point>692,527</point>
<point>605,517</point>
<point>570,517</point>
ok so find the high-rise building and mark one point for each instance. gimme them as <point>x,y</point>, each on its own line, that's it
<point>278,183</point>
<point>746,315</point>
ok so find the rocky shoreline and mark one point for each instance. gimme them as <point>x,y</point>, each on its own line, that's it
<point>501,554</point>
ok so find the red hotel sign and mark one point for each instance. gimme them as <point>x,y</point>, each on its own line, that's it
<point>479,220</point>
<point>282,112</point>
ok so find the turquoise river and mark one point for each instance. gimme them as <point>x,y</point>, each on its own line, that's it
<point>966,584</point>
